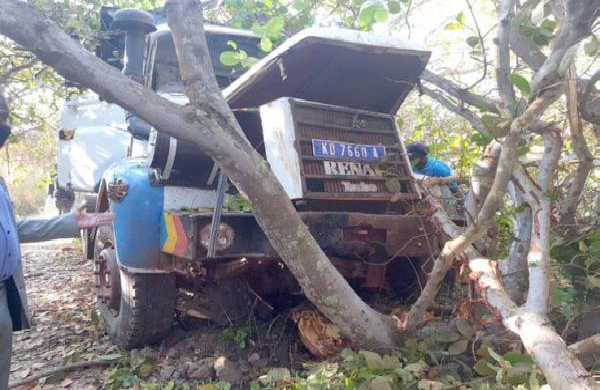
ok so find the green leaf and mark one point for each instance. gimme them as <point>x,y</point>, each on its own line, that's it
<point>540,39</point>
<point>495,356</point>
<point>594,249</point>
<point>257,29</point>
<point>458,347</point>
<point>232,44</point>
<point>551,195</point>
<point>495,125</point>
<point>399,122</point>
<point>520,82</point>
<point>446,337</point>
<point>229,58</point>
<point>548,25</point>
<point>464,328</point>
<point>380,15</point>
<point>453,26</point>
<point>472,41</point>
<point>248,62</point>
<point>514,357</point>
<point>564,253</point>
<point>275,375</point>
<point>372,11</point>
<point>274,27</point>
<point>592,236</point>
<point>460,17</point>
<point>394,6</point>
<point>266,44</point>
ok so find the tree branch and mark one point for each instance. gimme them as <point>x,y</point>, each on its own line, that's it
<point>213,134</point>
<point>585,159</point>
<point>505,163</point>
<point>458,92</point>
<point>416,315</point>
<point>505,88</point>
<point>450,106</point>
<point>521,45</point>
<point>538,259</point>
<point>576,26</point>
<point>58,370</point>
<point>514,267</point>
<point>560,367</point>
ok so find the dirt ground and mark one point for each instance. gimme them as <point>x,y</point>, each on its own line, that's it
<point>67,330</point>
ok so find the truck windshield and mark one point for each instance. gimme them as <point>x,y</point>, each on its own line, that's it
<point>164,72</point>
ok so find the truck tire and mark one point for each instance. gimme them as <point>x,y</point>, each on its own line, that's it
<point>138,308</point>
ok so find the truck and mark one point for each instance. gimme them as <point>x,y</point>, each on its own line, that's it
<point>321,110</point>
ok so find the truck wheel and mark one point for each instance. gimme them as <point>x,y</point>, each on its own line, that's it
<point>138,308</point>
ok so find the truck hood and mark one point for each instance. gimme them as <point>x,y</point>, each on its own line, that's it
<point>334,66</point>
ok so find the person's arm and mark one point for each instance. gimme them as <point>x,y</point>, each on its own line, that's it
<point>63,226</point>
<point>34,230</point>
<point>441,169</point>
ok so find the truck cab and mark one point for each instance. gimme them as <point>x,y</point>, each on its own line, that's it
<point>321,110</point>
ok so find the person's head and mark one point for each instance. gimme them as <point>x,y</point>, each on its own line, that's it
<point>417,154</point>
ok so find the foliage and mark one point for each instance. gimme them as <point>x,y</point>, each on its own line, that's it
<point>449,138</point>
<point>577,284</point>
<point>125,376</point>
<point>239,335</point>
<point>413,366</point>
<point>238,203</point>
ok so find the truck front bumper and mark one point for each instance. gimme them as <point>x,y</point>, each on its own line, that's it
<point>369,237</point>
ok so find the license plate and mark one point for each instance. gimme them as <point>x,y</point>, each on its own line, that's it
<point>354,152</point>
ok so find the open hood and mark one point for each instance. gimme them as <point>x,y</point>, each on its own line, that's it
<point>334,66</point>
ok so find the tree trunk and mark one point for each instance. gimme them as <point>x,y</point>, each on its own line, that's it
<point>211,129</point>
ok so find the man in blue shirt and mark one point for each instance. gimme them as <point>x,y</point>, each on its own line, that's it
<point>431,167</point>
<point>13,301</point>
<point>424,165</point>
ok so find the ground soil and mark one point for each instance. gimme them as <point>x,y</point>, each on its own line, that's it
<point>66,330</point>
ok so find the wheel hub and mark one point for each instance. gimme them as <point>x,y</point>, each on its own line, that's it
<point>107,280</point>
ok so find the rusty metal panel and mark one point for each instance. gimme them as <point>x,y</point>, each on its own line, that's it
<point>349,178</point>
<point>376,237</point>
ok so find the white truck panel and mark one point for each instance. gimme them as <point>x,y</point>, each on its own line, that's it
<point>95,135</point>
<point>279,137</point>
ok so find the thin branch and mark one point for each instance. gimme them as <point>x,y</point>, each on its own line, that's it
<point>585,159</point>
<point>59,370</point>
<point>467,114</point>
<point>480,36</point>
<point>505,87</point>
<point>441,266</point>
<point>458,92</point>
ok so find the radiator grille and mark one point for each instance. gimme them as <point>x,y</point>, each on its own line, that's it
<point>318,122</point>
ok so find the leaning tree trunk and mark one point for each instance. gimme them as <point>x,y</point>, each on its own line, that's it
<point>209,124</point>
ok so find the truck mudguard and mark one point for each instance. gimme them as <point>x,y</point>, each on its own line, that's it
<point>138,207</point>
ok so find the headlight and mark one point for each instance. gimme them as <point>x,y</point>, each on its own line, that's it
<point>225,236</point>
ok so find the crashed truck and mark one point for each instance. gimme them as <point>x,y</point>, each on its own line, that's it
<point>321,110</point>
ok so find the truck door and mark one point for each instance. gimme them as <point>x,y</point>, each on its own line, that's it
<point>92,135</point>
